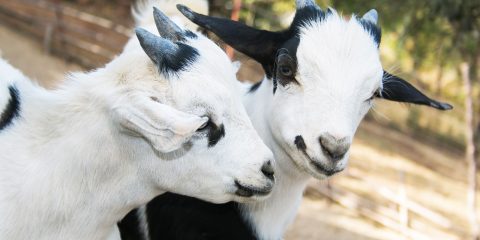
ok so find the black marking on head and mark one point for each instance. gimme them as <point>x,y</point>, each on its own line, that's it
<point>399,90</point>
<point>306,14</point>
<point>373,29</point>
<point>183,58</point>
<point>176,217</point>
<point>254,87</point>
<point>12,110</point>
<point>215,133</point>
<point>300,143</point>
<point>169,57</point>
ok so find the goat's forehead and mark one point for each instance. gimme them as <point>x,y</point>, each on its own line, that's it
<point>338,37</point>
<point>207,83</point>
<point>213,67</point>
<point>201,91</point>
<point>338,48</point>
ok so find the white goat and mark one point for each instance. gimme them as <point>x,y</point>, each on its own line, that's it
<point>322,75</point>
<point>75,160</point>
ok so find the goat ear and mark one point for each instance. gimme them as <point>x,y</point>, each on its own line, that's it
<point>399,90</point>
<point>167,55</point>
<point>260,45</point>
<point>164,127</point>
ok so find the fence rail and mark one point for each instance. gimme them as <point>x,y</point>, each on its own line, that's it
<point>88,39</point>
<point>395,210</point>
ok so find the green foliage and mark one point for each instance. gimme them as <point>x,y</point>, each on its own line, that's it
<point>439,28</point>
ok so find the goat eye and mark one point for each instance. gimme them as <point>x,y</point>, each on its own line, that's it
<point>286,71</point>
<point>204,126</point>
<point>374,95</point>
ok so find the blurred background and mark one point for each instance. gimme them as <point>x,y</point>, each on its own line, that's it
<point>412,172</point>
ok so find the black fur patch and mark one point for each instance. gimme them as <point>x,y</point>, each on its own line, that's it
<point>175,217</point>
<point>373,29</point>
<point>215,134</point>
<point>190,34</point>
<point>254,87</point>
<point>12,110</point>
<point>184,57</point>
<point>130,226</point>
<point>169,57</point>
<point>305,15</point>
<point>300,143</point>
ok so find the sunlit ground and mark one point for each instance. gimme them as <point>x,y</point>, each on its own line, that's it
<point>387,168</point>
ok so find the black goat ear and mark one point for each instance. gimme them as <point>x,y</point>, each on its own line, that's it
<point>399,90</point>
<point>260,45</point>
<point>169,57</point>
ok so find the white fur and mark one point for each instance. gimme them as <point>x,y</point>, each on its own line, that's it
<point>79,158</point>
<point>339,68</point>
<point>10,75</point>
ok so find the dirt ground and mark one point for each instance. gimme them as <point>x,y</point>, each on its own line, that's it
<point>430,176</point>
<point>28,55</point>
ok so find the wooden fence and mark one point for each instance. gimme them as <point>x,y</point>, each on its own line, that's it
<point>90,40</point>
<point>395,210</point>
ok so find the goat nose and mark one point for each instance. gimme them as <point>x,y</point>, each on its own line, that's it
<point>267,170</point>
<point>332,147</point>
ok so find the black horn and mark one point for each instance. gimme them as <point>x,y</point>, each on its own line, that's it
<point>371,16</point>
<point>166,27</point>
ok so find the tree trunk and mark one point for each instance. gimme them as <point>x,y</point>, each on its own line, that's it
<point>476,136</point>
<point>465,69</point>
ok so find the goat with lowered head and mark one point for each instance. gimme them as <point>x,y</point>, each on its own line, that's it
<point>323,74</point>
<point>75,160</point>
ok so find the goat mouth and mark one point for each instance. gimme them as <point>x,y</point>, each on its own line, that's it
<point>249,191</point>
<point>321,168</point>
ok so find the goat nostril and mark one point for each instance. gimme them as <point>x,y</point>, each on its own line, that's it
<point>267,170</point>
<point>333,148</point>
<point>300,143</point>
